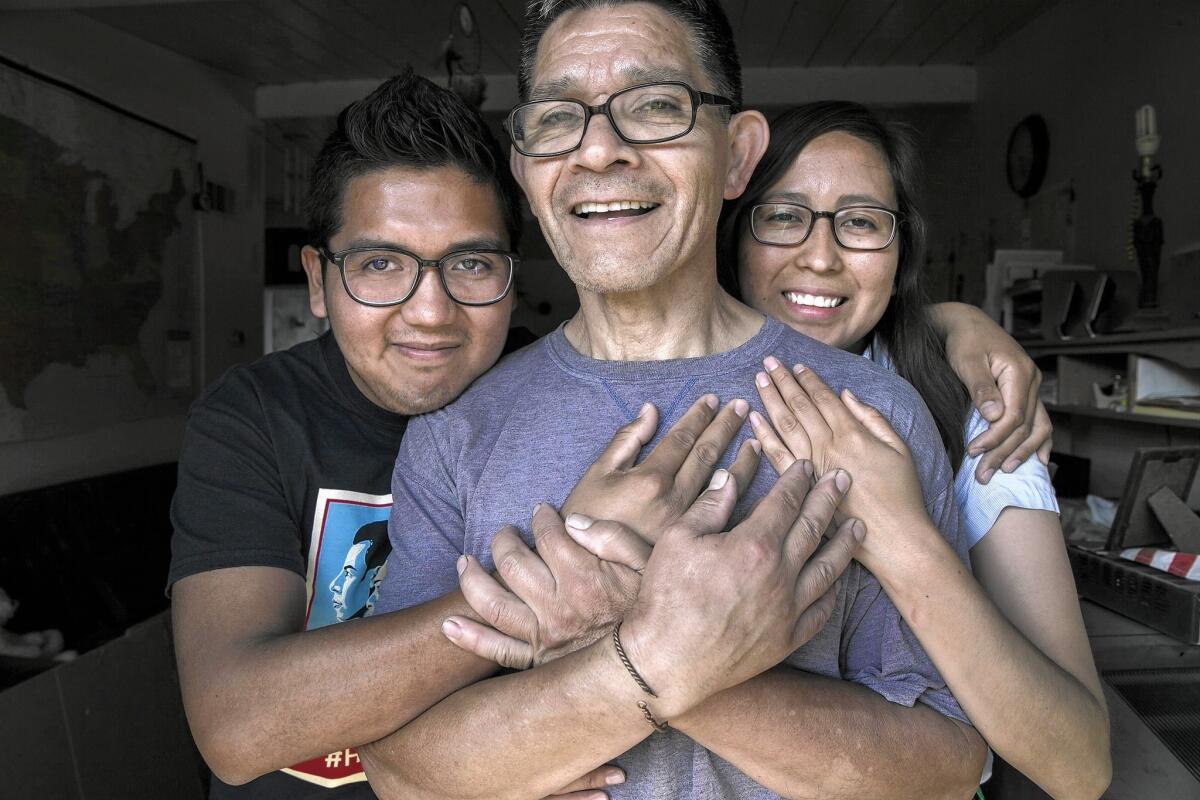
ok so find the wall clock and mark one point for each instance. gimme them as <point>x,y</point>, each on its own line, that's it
<point>1028,151</point>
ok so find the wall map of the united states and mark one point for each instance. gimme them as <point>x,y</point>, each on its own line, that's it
<point>96,262</point>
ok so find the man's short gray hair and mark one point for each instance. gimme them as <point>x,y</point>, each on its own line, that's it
<point>705,19</point>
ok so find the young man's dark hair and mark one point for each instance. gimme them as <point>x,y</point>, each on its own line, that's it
<point>712,39</point>
<point>407,121</point>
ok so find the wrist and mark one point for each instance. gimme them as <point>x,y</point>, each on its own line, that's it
<point>919,571</point>
<point>648,653</point>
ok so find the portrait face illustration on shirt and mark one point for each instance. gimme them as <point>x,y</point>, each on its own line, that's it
<point>355,587</point>
<point>347,553</point>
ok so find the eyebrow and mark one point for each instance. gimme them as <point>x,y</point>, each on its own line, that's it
<point>464,244</point>
<point>842,201</point>
<point>563,86</point>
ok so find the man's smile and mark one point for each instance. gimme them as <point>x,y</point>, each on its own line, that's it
<point>612,209</point>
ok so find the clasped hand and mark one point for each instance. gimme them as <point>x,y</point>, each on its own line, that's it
<point>584,575</point>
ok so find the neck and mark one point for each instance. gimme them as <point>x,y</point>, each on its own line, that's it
<point>678,318</point>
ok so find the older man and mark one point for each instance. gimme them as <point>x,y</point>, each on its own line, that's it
<point>628,142</point>
<point>286,464</point>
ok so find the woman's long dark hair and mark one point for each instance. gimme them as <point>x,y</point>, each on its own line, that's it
<point>905,330</point>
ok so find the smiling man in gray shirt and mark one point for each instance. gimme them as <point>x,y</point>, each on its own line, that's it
<point>633,139</point>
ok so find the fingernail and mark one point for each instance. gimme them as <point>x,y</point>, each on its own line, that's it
<point>851,395</point>
<point>987,475</point>
<point>798,368</point>
<point>614,778</point>
<point>646,408</point>
<point>842,480</point>
<point>718,479</point>
<point>452,629</point>
<point>755,419</point>
<point>1010,465</point>
<point>808,469</point>
<point>741,407</point>
<point>461,564</point>
<point>990,407</point>
<point>755,445</point>
<point>579,522</point>
<point>858,530</point>
<point>975,451</point>
<point>710,400</point>
<point>771,362</point>
<point>761,380</point>
<point>537,506</point>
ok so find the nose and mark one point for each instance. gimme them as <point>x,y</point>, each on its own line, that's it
<point>820,252</point>
<point>601,147</point>
<point>429,306</point>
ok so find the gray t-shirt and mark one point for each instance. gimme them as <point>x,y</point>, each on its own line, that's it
<point>526,432</point>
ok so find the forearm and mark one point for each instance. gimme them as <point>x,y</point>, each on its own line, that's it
<point>289,697</point>
<point>804,735</point>
<point>521,735</point>
<point>1033,713</point>
<point>945,316</point>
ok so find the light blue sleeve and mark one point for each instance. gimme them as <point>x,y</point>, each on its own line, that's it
<point>979,505</point>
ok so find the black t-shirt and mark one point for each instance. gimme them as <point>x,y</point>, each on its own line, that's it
<point>286,464</point>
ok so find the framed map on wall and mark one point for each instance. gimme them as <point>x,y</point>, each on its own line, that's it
<point>98,265</point>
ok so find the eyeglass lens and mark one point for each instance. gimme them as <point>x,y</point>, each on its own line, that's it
<point>387,276</point>
<point>641,114</point>
<point>855,228</point>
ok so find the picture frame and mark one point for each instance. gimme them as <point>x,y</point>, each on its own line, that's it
<point>1152,468</point>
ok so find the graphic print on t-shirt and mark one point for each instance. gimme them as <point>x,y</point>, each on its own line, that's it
<point>346,556</point>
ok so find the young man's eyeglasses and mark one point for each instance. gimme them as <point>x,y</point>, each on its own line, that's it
<point>854,227</point>
<point>648,113</point>
<point>382,276</point>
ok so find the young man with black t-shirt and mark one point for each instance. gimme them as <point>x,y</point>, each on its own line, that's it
<point>286,460</point>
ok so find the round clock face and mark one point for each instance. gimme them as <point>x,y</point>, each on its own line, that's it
<point>1028,151</point>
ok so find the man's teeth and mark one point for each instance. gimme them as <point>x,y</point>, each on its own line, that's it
<point>820,301</point>
<point>618,205</point>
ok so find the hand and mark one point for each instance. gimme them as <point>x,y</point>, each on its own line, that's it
<point>587,787</point>
<point>1003,383</point>
<point>649,496</point>
<point>716,609</point>
<point>551,605</point>
<point>553,601</point>
<point>810,421</point>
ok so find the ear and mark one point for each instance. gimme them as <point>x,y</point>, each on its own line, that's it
<point>516,163</point>
<point>749,134</point>
<point>314,268</point>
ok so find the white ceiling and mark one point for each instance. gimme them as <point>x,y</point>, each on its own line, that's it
<point>290,41</point>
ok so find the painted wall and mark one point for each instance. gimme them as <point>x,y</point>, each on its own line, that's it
<point>216,110</point>
<point>1086,66</point>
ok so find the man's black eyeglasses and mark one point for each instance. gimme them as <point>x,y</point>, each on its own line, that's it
<point>648,113</point>
<point>383,276</point>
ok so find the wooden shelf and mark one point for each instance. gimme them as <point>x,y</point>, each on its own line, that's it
<point>1125,416</point>
<point>1181,345</point>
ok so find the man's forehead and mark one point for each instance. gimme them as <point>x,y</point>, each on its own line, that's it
<point>623,45</point>
<point>576,81</point>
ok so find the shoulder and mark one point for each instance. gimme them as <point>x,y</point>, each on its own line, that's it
<point>1028,486</point>
<point>276,374</point>
<point>871,382</point>
<point>482,409</point>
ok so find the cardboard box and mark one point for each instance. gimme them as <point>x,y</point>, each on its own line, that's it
<point>108,725</point>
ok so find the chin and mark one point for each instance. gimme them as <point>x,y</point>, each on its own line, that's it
<point>428,398</point>
<point>608,275</point>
